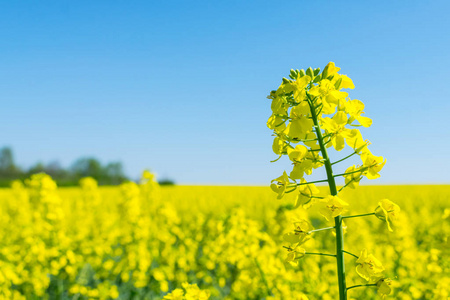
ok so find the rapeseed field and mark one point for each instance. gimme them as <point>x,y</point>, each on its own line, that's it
<point>143,241</point>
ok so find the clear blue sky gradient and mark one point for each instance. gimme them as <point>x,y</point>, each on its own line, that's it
<point>180,86</point>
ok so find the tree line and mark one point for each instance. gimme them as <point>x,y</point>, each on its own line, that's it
<point>110,174</point>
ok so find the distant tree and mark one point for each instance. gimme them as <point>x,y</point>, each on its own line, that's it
<point>6,159</point>
<point>84,167</point>
<point>8,169</point>
<point>57,172</point>
<point>37,168</point>
<point>113,173</point>
<point>166,181</point>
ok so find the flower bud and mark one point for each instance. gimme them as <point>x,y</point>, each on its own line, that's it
<point>293,74</point>
<point>310,72</point>
<point>317,78</point>
<point>338,83</point>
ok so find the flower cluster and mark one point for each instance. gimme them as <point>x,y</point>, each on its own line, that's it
<point>189,292</point>
<point>315,95</point>
<point>311,113</point>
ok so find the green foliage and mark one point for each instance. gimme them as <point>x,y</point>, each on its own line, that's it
<point>109,174</point>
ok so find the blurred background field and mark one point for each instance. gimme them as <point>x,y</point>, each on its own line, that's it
<point>141,241</point>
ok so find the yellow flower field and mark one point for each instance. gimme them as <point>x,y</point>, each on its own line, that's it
<point>142,241</point>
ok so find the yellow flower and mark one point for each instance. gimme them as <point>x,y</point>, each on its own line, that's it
<point>177,294</point>
<point>368,266</point>
<point>373,163</point>
<point>345,82</point>
<point>279,106</point>
<point>298,153</point>
<point>330,69</point>
<point>276,123</point>
<point>336,126</point>
<point>383,286</point>
<point>352,180</point>
<point>332,100</point>
<point>279,146</point>
<point>306,192</point>
<point>193,292</point>
<point>332,207</point>
<point>387,211</point>
<point>299,125</point>
<point>294,254</point>
<point>354,139</point>
<point>300,234</point>
<point>278,185</point>
<point>310,161</point>
<point>299,86</point>
<point>355,108</point>
<point>300,169</point>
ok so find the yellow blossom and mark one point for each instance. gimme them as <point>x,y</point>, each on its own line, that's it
<point>354,139</point>
<point>387,211</point>
<point>336,127</point>
<point>298,126</point>
<point>306,192</point>
<point>368,266</point>
<point>373,164</point>
<point>332,206</point>
<point>294,255</point>
<point>355,108</point>
<point>383,286</point>
<point>279,146</point>
<point>276,123</point>
<point>298,153</point>
<point>176,294</point>
<point>311,161</point>
<point>352,180</point>
<point>279,185</point>
<point>300,234</point>
<point>330,69</point>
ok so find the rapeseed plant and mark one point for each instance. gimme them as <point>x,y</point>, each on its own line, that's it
<point>312,108</point>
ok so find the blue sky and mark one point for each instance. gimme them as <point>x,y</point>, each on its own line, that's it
<point>180,86</point>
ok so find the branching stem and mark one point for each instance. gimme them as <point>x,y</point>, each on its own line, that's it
<point>348,156</point>
<point>360,285</point>
<point>323,254</point>
<point>320,229</point>
<point>346,185</point>
<point>311,182</point>
<point>351,254</point>
<point>333,190</point>
<point>357,216</point>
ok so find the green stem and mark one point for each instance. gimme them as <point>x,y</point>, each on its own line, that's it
<point>338,219</point>
<point>357,216</point>
<point>311,182</point>
<point>303,141</point>
<point>263,277</point>
<point>348,173</point>
<point>346,185</point>
<point>290,191</point>
<point>320,229</point>
<point>323,254</point>
<point>276,159</point>
<point>360,285</point>
<point>348,156</point>
<point>351,254</point>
